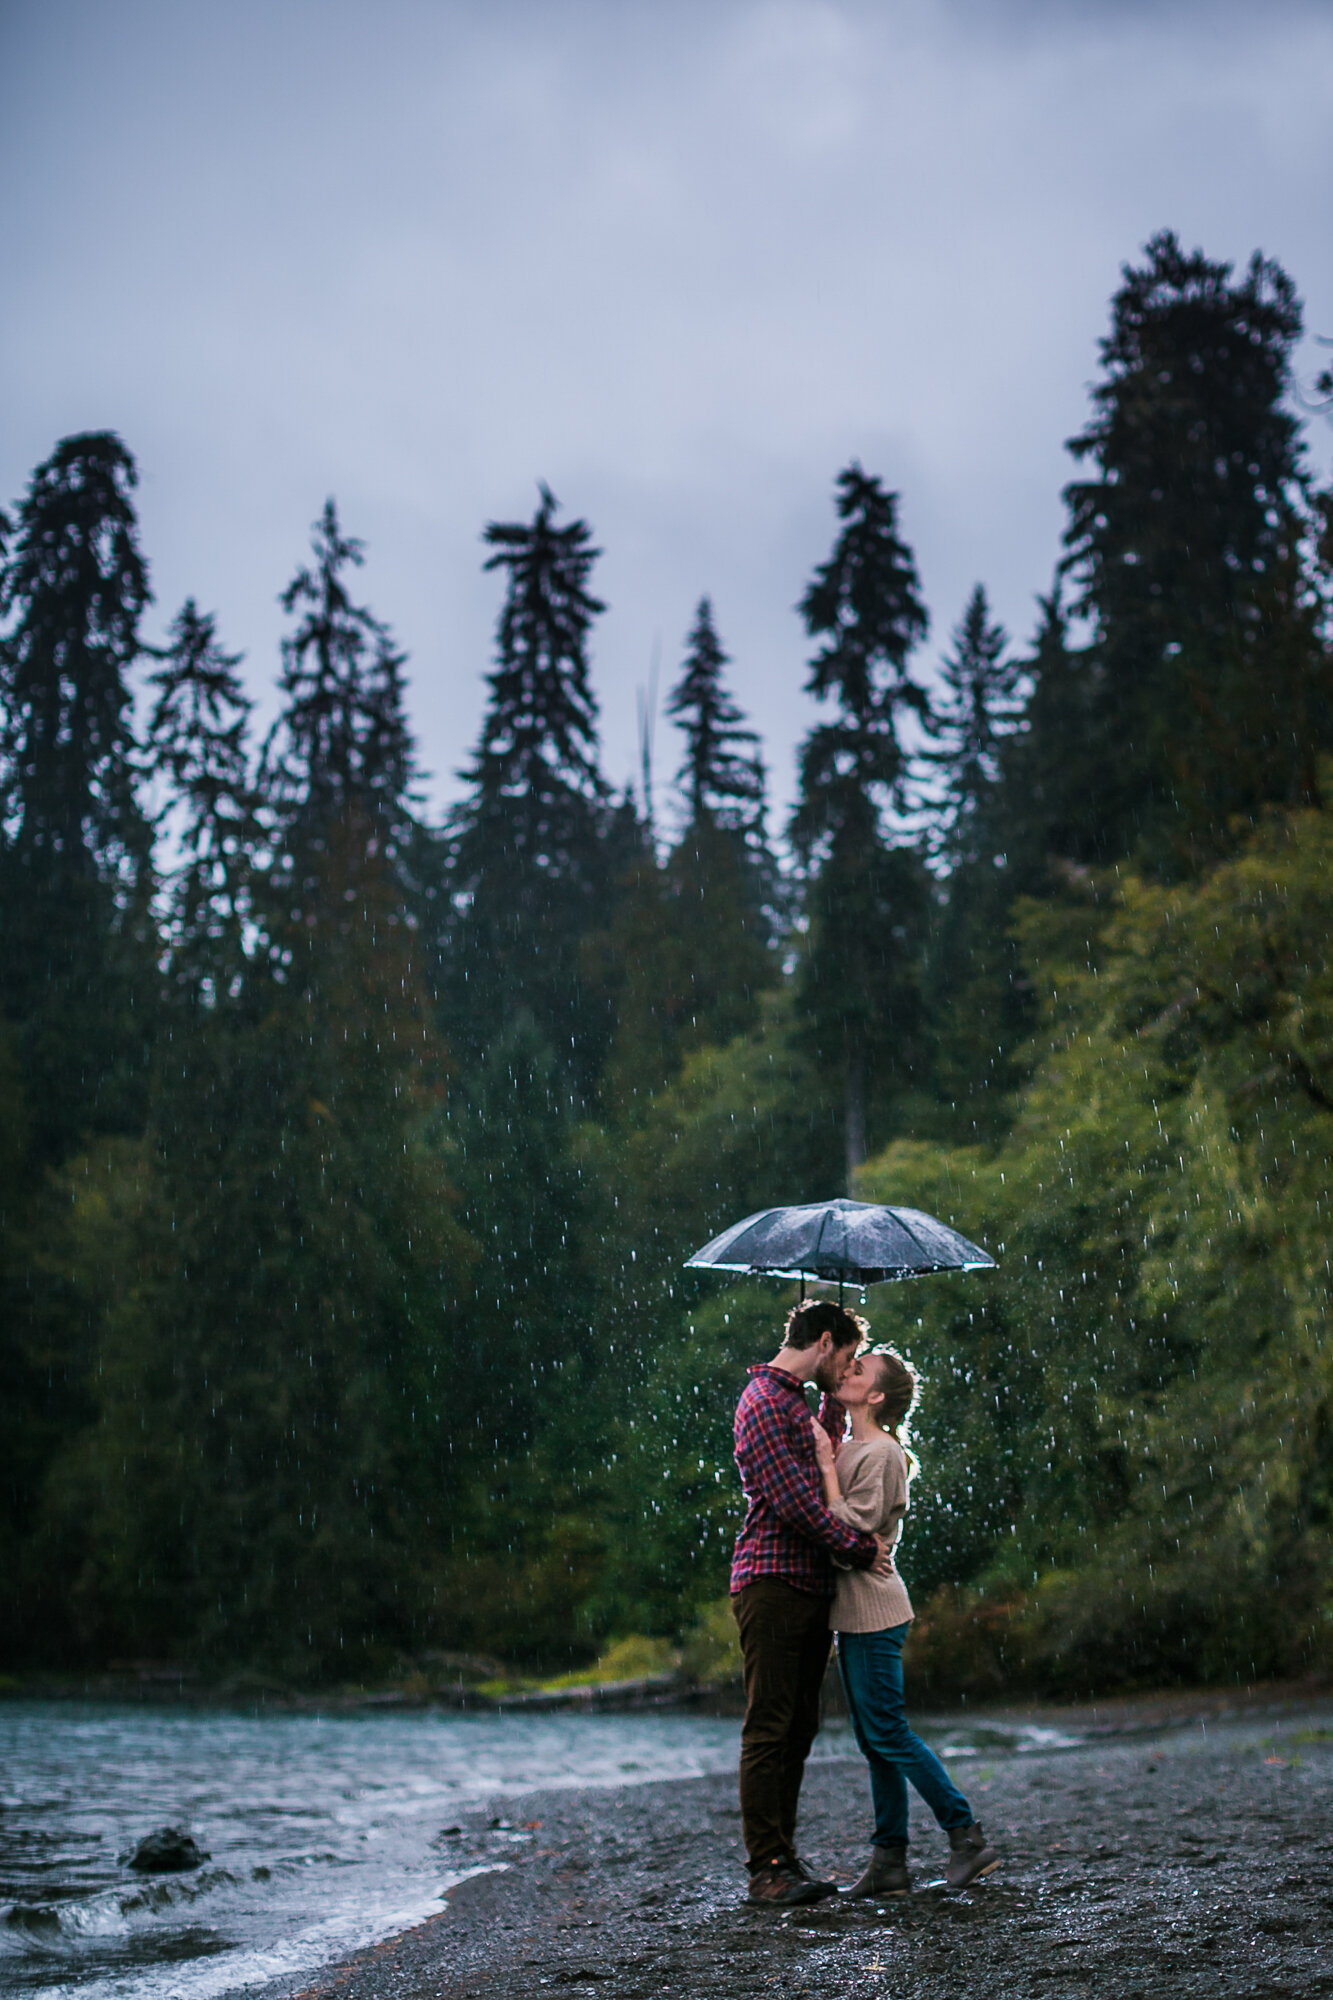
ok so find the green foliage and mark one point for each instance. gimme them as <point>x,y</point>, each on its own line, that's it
<point>740,1128</point>
<point>78,979</point>
<point>686,960</point>
<point>521,1200</point>
<point>859,977</point>
<point>631,1658</point>
<point>1138,1403</point>
<point>347,1175</point>
<point>711,1653</point>
<point>268,1475</point>
<point>865,604</point>
<point>681,1504</point>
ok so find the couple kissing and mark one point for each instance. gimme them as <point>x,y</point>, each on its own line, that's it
<point>814,1564</point>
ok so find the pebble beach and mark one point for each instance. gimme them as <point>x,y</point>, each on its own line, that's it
<point>1171,1853</point>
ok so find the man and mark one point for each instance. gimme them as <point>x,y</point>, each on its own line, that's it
<point>782,1582</point>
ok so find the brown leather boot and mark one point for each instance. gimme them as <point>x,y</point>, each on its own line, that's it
<point>782,1887</point>
<point>887,1874</point>
<point>969,1856</point>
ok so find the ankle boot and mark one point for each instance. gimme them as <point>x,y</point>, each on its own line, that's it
<point>969,1856</point>
<point>887,1874</point>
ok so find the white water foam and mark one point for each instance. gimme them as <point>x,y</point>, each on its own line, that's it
<point>323,1832</point>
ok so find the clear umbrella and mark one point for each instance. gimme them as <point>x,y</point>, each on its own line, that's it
<point>841,1242</point>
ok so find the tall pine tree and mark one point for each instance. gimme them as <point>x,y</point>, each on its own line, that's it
<point>275,1375</point>
<point>77,973</point>
<point>692,946</point>
<point>977,706</point>
<point>858,990</point>
<point>342,741</point>
<point>1184,542</point>
<point>534,847</point>
<point>197,739</point>
<point>977,995</point>
<point>721,777</point>
<point>1038,820</point>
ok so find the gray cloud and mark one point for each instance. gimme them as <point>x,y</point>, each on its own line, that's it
<point>680,261</point>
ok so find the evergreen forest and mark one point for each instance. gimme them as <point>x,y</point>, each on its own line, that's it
<point>349,1155</point>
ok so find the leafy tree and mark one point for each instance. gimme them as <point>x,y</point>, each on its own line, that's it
<point>1208,687</point>
<point>858,982</point>
<point>534,848</point>
<point>1135,1408</point>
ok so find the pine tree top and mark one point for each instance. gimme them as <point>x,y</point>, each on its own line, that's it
<point>1196,451</point>
<point>540,730</point>
<point>864,602</point>
<point>721,776</point>
<point>198,743</point>
<point>75,587</point>
<point>197,728</point>
<point>343,737</point>
<point>979,705</point>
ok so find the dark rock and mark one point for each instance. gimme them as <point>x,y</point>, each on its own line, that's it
<point>167,1852</point>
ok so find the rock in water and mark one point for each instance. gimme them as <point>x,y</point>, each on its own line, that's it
<point>166,1852</point>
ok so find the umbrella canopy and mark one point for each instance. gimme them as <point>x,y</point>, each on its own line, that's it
<point>841,1242</point>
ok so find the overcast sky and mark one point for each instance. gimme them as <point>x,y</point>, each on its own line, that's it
<point>681,261</point>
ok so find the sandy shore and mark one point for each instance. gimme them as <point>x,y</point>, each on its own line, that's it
<point>1179,1855</point>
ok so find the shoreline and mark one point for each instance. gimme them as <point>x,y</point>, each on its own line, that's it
<point>655,1693</point>
<point>1169,1856</point>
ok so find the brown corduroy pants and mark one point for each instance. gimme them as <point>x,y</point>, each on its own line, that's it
<point>785,1642</point>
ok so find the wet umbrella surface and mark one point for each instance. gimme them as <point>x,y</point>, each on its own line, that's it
<point>841,1242</point>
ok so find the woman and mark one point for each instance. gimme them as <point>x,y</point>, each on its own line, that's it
<point>865,1483</point>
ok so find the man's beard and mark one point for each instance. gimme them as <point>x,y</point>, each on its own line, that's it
<point>829,1374</point>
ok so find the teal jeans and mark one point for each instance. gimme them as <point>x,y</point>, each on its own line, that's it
<point>871,1665</point>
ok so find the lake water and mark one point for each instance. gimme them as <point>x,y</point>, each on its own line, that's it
<point>323,1832</point>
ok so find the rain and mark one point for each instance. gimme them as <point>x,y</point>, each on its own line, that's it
<point>553,816</point>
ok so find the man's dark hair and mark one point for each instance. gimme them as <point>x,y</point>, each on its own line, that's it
<point>813,1317</point>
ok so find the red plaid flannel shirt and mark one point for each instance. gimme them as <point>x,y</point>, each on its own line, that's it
<point>788,1532</point>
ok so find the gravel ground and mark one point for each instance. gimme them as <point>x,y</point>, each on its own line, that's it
<point>1192,1859</point>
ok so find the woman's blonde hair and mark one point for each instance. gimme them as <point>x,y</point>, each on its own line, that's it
<point>900,1385</point>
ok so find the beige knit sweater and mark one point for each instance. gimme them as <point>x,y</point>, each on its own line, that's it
<point>873,1479</point>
